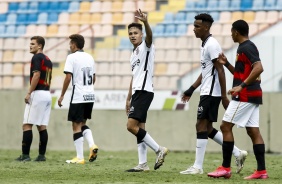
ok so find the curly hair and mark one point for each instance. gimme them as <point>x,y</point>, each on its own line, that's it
<point>241,26</point>
<point>78,40</point>
<point>205,18</point>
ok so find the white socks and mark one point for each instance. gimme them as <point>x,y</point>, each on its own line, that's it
<point>151,142</point>
<point>78,143</point>
<point>87,134</point>
<point>142,152</point>
<point>200,153</point>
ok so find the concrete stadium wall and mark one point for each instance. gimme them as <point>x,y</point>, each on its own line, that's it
<point>173,129</point>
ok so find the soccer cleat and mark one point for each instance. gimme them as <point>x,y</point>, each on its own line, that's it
<point>192,170</point>
<point>139,168</point>
<point>23,158</point>
<point>40,158</point>
<point>93,153</point>
<point>239,161</point>
<point>257,175</point>
<point>75,161</point>
<point>160,157</point>
<point>221,172</point>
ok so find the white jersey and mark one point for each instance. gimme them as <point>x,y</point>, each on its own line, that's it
<point>142,66</point>
<point>82,67</point>
<point>210,50</point>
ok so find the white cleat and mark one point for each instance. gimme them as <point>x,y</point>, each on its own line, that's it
<point>160,157</point>
<point>192,170</point>
<point>139,168</point>
<point>239,161</point>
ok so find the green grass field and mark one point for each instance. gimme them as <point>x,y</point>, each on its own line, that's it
<point>109,168</point>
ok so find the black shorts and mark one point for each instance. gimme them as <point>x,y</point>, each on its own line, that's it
<point>80,112</point>
<point>208,108</point>
<point>140,103</point>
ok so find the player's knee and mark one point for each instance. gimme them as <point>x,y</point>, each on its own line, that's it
<point>224,127</point>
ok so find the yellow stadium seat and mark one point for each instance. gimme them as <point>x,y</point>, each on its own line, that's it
<point>85,18</point>
<point>156,17</point>
<point>74,18</point>
<point>84,6</point>
<point>150,5</point>
<point>26,69</point>
<point>18,69</point>
<point>8,55</point>
<point>117,18</point>
<point>236,16</point>
<point>161,69</point>
<point>52,30</point>
<point>95,18</point>
<point>117,6</point>
<point>249,16</point>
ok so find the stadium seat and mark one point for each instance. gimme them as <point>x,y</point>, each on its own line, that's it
<point>63,6</point>
<point>18,69</point>
<point>106,6</point>
<point>73,7</point>
<point>279,5</point>
<point>190,17</point>
<point>104,82</point>
<point>9,43</point>
<point>180,18</point>
<point>215,15</point>
<point>43,6</point>
<point>11,18</point>
<point>129,6</point>
<point>106,18</point>
<point>13,7</point>
<point>196,54</point>
<point>172,69</point>
<point>21,43</point>
<point>20,30</point>
<point>18,56</point>
<point>95,18</point>
<point>74,18</point>
<point>41,29</point>
<point>160,42</point>
<point>33,7</point>
<point>62,30</point>
<point>225,17</point>
<point>10,31</point>
<point>258,5</point>
<point>30,30</point>
<point>8,55</point>
<point>168,19</point>
<point>27,56</point>
<point>216,29</point>
<point>85,18</point>
<point>212,5</point>
<point>200,5</point>
<point>223,5</point>
<point>32,18</point>
<point>190,29</point>
<point>3,18</point>
<point>17,82</point>
<point>73,29</point>
<point>123,68</point>
<point>160,69</point>
<point>235,5</point>
<point>253,29</point>
<point>150,5</point>
<point>236,15</point>
<point>95,6</point>
<point>63,18</point>
<point>42,18</point>
<point>183,42</point>
<point>104,68</point>
<point>128,18</point>
<point>249,16</point>
<point>226,29</point>
<point>183,55</point>
<point>246,4</point>
<point>3,7</point>
<point>101,55</point>
<point>158,30</point>
<point>227,42</point>
<point>124,55</point>
<point>52,18</point>
<point>271,17</point>
<point>160,55</point>
<point>117,18</point>
<point>190,5</point>
<point>52,30</point>
<point>6,82</point>
<point>141,4</point>
<point>22,18</point>
<point>181,29</point>
<point>170,55</point>
<point>125,44</point>
<point>185,68</point>
<point>84,6</point>
<point>7,68</point>
<point>117,6</point>
<point>23,7</point>
<point>260,17</point>
<point>270,5</point>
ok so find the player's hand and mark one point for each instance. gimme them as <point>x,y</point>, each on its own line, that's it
<point>222,59</point>
<point>141,16</point>
<point>127,107</point>
<point>60,101</point>
<point>185,98</point>
<point>27,98</point>
<point>235,90</point>
<point>225,102</point>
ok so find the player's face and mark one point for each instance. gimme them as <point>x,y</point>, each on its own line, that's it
<point>234,35</point>
<point>34,47</point>
<point>200,28</point>
<point>135,36</point>
<point>72,47</point>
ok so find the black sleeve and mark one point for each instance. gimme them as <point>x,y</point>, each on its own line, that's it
<point>252,53</point>
<point>36,63</point>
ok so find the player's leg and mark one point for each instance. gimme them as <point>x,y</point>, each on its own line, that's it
<point>253,131</point>
<point>26,143</point>
<point>43,140</point>
<point>87,133</point>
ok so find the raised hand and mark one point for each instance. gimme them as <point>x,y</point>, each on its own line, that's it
<point>141,16</point>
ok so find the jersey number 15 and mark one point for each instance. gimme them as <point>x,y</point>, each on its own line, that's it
<point>87,77</point>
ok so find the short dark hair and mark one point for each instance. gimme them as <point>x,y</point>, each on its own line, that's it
<point>241,26</point>
<point>135,24</point>
<point>39,39</point>
<point>78,40</point>
<point>204,17</point>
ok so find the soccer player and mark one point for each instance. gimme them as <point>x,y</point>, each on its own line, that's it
<point>212,91</point>
<point>243,110</point>
<point>38,100</point>
<point>80,68</point>
<point>140,93</point>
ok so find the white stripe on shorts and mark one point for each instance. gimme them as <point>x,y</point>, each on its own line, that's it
<point>243,114</point>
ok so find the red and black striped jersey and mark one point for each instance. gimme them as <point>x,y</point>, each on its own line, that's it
<point>42,63</point>
<point>247,55</point>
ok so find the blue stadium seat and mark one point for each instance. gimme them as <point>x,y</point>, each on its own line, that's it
<point>53,6</point>
<point>235,5</point>
<point>201,5</point>
<point>53,17</point>
<point>212,5</point>
<point>11,18</point>
<point>246,4</point>
<point>181,30</point>
<point>258,4</point>
<point>215,15</point>
<point>32,18</point>
<point>33,7</point>
<point>13,7</point>
<point>270,5</point>
<point>74,6</point>
<point>10,31</point>
<point>63,6</point>
<point>43,6</point>
<point>2,30</point>
<point>125,43</point>
<point>190,5</point>
<point>20,30</point>
<point>168,19</point>
<point>169,30</point>
<point>223,5</point>
<point>3,18</point>
<point>158,30</point>
<point>180,17</point>
<point>42,18</point>
<point>22,18</point>
<point>190,17</point>
<point>23,7</point>
<point>279,5</point>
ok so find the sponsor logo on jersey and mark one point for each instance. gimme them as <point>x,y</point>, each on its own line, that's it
<point>89,97</point>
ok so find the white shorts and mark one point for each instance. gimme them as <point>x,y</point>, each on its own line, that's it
<point>37,112</point>
<point>243,114</point>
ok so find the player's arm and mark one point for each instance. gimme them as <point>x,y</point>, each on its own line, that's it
<point>65,87</point>
<point>222,81</point>
<point>188,93</point>
<point>128,99</point>
<point>34,81</point>
<point>149,35</point>
<point>223,60</point>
